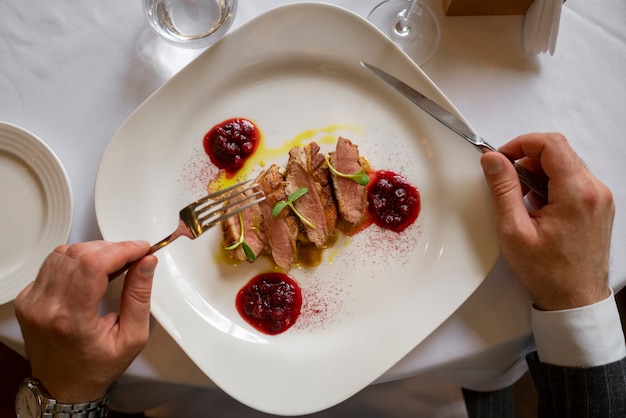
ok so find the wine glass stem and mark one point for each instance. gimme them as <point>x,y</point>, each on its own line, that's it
<point>403,26</point>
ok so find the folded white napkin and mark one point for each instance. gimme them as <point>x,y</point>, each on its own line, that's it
<point>541,26</point>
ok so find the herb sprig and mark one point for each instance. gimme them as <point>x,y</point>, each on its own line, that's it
<point>244,245</point>
<point>360,176</point>
<point>279,206</point>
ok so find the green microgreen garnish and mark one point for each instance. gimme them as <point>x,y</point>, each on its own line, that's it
<point>244,246</point>
<point>279,206</point>
<point>360,176</point>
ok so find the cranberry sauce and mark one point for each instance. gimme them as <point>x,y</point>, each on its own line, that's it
<point>230,143</point>
<point>270,302</point>
<point>394,203</point>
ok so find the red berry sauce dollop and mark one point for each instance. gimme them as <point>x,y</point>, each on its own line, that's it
<point>230,143</point>
<point>270,302</point>
<point>393,202</point>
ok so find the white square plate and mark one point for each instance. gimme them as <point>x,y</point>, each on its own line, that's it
<point>295,71</point>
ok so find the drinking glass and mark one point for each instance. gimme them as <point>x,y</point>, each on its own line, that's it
<point>190,23</point>
<point>411,25</point>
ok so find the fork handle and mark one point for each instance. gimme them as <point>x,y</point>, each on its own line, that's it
<point>152,250</point>
<point>171,237</point>
<point>118,273</point>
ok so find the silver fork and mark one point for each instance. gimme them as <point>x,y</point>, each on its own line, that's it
<point>203,214</point>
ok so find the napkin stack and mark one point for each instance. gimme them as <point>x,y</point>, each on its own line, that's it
<point>541,26</point>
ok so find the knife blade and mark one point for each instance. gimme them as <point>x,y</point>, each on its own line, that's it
<point>534,183</point>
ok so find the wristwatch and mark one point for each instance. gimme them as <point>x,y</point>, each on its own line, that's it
<point>32,401</point>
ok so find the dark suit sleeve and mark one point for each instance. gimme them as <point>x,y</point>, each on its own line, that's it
<point>598,391</point>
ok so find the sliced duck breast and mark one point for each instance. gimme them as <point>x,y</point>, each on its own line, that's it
<point>254,235</point>
<point>281,230</point>
<point>351,196</point>
<point>317,205</point>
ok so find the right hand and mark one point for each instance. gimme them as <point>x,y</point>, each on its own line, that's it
<point>560,251</point>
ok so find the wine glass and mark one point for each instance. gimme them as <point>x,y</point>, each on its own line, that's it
<point>411,25</point>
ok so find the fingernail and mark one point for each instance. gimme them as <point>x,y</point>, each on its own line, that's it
<point>141,243</point>
<point>491,166</point>
<point>147,268</point>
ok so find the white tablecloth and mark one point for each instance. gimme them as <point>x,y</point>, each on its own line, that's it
<point>72,72</point>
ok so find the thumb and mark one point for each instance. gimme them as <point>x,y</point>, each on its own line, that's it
<point>135,299</point>
<point>505,188</point>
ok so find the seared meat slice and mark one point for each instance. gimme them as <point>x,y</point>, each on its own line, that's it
<point>351,196</point>
<point>253,232</point>
<point>281,231</point>
<point>305,169</point>
<point>321,174</point>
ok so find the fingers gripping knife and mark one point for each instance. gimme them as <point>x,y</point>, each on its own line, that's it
<point>534,183</point>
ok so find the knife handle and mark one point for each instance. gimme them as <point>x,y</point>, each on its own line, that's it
<point>530,179</point>
<point>526,177</point>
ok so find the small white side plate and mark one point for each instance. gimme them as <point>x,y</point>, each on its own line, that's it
<point>35,208</point>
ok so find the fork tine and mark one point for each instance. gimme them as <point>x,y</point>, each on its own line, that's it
<point>211,203</point>
<point>230,196</point>
<point>193,217</point>
<point>219,193</point>
<point>210,211</point>
<point>233,212</point>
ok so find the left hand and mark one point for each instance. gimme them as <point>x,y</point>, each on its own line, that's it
<point>74,351</point>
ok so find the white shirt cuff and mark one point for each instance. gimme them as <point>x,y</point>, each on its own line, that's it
<point>581,337</point>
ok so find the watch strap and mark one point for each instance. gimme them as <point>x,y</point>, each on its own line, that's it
<point>50,408</point>
<point>94,409</point>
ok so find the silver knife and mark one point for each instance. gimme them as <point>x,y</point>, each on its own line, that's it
<point>528,178</point>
